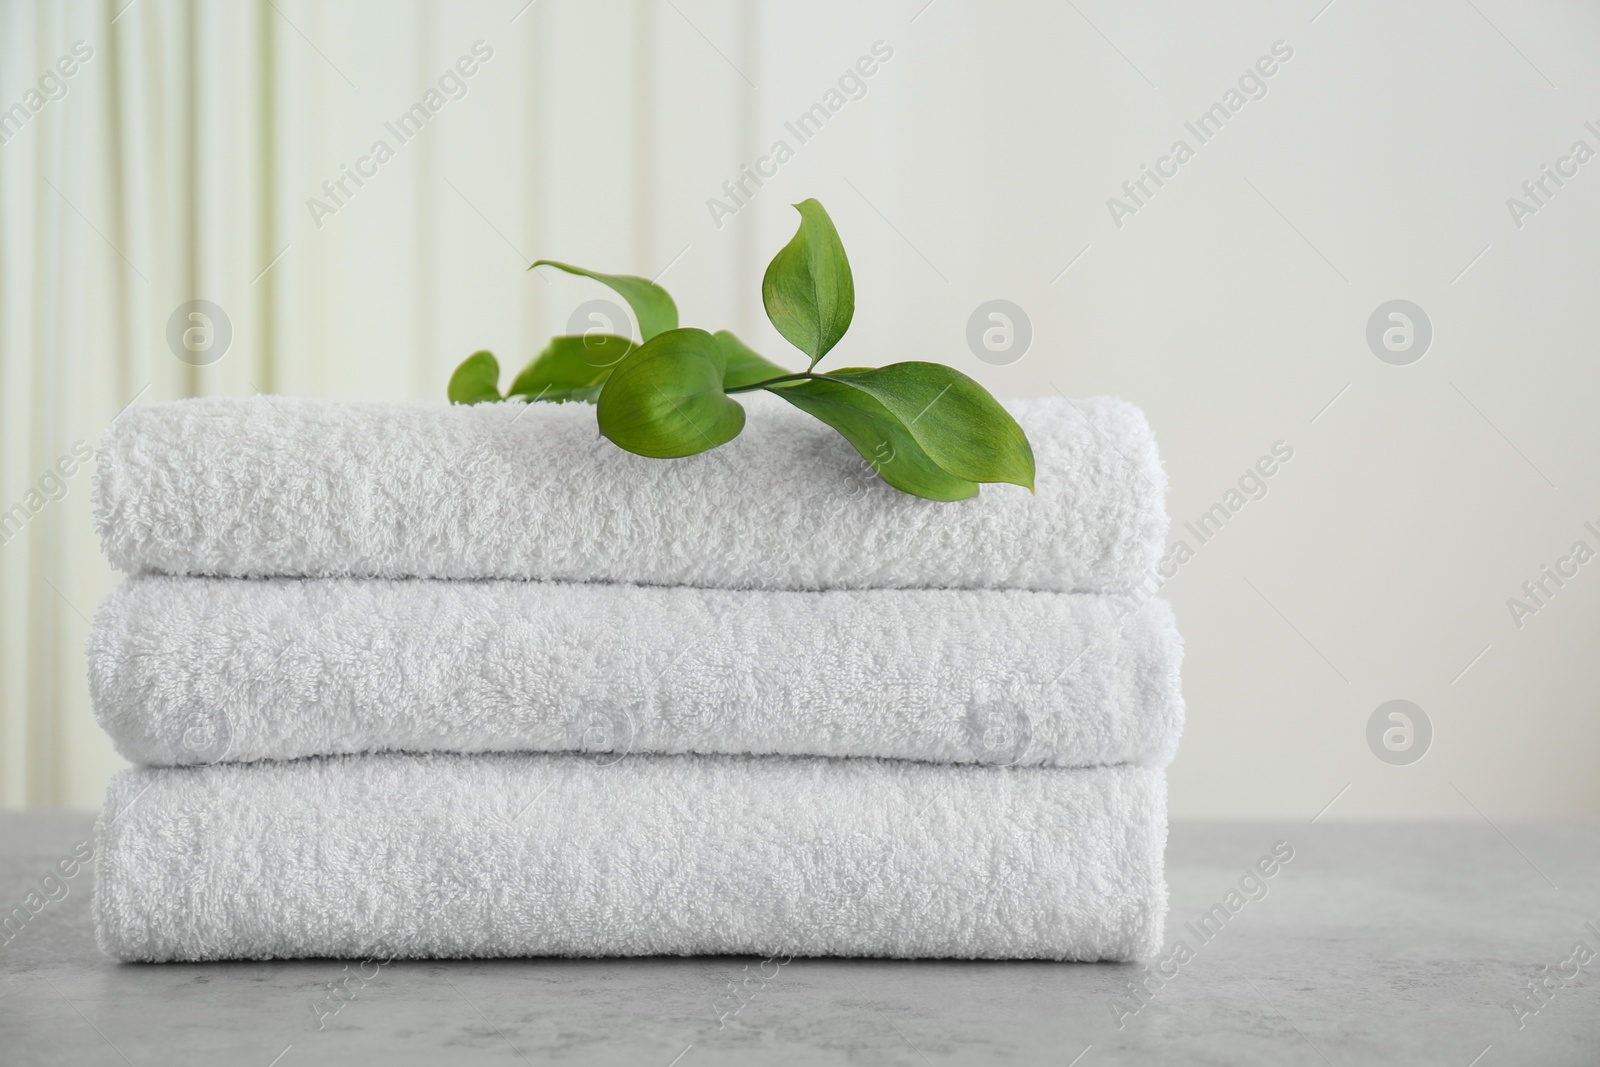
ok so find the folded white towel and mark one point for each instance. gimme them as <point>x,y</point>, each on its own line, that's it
<point>282,486</point>
<point>453,856</point>
<point>197,670</point>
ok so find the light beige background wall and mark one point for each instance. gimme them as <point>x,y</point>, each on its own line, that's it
<point>1232,305</point>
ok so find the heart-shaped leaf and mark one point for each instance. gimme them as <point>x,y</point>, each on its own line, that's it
<point>879,435</point>
<point>745,366</point>
<point>958,424</point>
<point>571,368</point>
<point>651,305</point>
<point>665,398</point>
<point>476,380</point>
<point>808,290</point>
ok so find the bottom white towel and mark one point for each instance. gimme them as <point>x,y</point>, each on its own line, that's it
<point>533,855</point>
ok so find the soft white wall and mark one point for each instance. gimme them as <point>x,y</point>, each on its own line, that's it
<point>1233,307</point>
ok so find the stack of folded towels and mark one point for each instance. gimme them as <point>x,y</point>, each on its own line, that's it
<point>423,681</point>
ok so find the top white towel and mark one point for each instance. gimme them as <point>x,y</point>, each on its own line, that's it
<point>313,488</point>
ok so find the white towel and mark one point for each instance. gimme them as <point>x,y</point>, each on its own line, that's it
<point>283,486</point>
<point>199,670</point>
<point>458,856</point>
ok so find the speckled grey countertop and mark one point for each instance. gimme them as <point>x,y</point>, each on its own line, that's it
<point>1377,944</point>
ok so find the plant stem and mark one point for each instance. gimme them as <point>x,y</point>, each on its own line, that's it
<point>803,375</point>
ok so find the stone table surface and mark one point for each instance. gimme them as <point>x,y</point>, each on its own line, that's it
<point>1397,943</point>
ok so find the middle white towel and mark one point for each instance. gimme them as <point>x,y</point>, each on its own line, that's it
<point>207,670</point>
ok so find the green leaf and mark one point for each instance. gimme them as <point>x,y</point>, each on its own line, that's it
<point>476,380</point>
<point>665,398</point>
<point>571,368</point>
<point>958,424</point>
<point>745,366</point>
<point>651,305</point>
<point>809,293</point>
<point>879,435</point>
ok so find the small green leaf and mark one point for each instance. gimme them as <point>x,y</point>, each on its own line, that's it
<point>571,368</point>
<point>879,435</point>
<point>961,427</point>
<point>745,366</point>
<point>650,303</point>
<point>808,291</point>
<point>476,380</point>
<point>665,398</point>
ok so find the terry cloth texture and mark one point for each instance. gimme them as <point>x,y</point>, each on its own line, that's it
<point>533,855</point>
<point>314,488</point>
<point>202,670</point>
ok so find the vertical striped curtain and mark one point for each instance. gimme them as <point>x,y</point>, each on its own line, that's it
<point>136,172</point>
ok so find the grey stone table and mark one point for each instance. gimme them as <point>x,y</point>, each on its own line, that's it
<point>1375,944</point>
